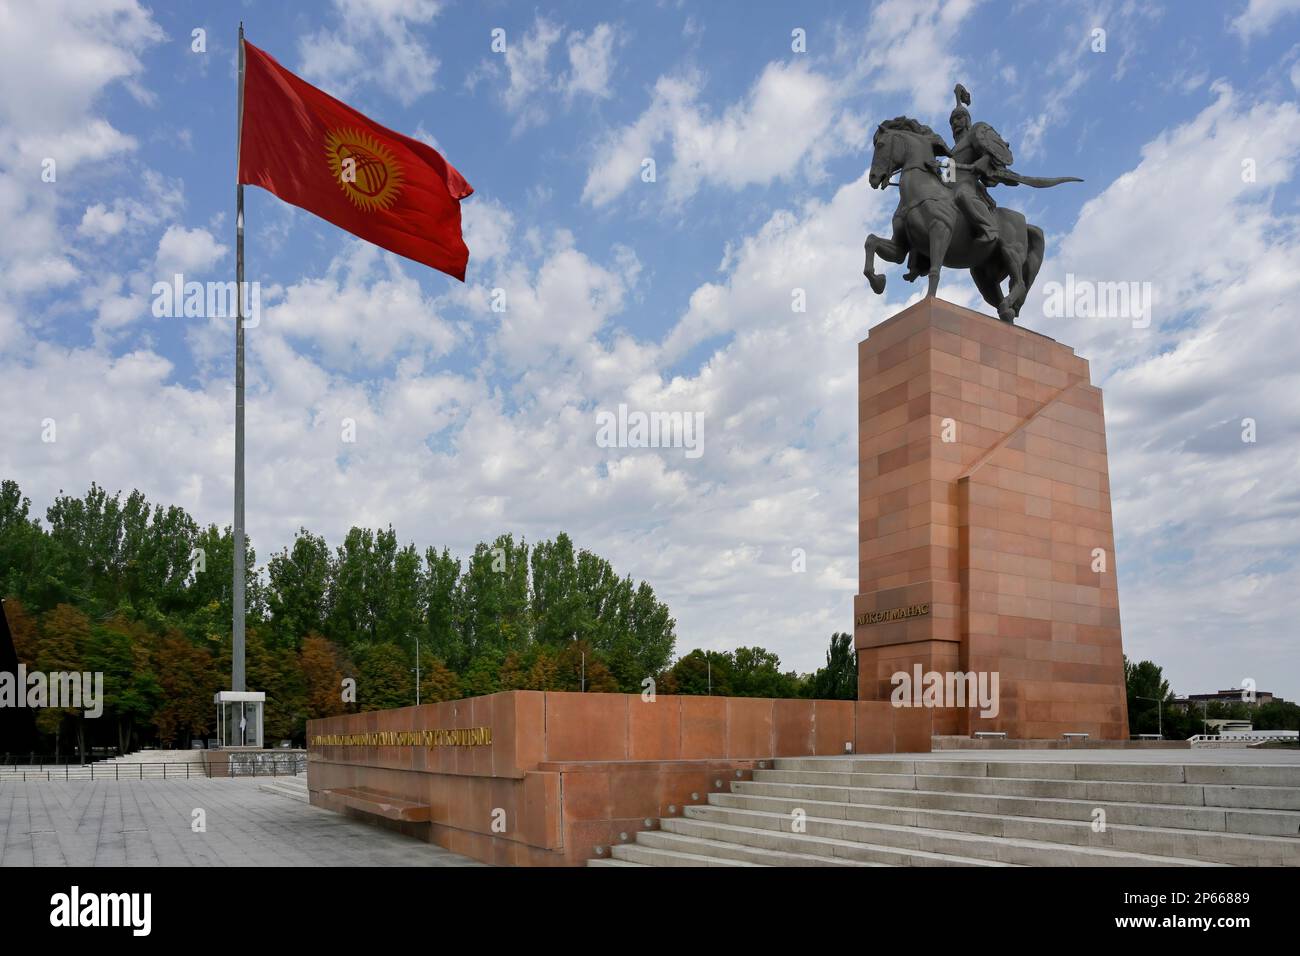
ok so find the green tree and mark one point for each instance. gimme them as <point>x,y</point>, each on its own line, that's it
<point>1149,696</point>
<point>544,673</point>
<point>64,635</point>
<point>298,588</point>
<point>580,668</point>
<point>513,674</point>
<point>756,672</point>
<point>494,598</point>
<point>275,671</point>
<point>376,591</point>
<point>838,680</point>
<point>322,676</point>
<point>557,604</point>
<point>188,678</point>
<point>122,650</point>
<point>21,540</point>
<point>697,672</point>
<point>483,674</point>
<point>1277,715</point>
<point>438,682</point>
<point>210,592</point>
<point>385,679</point>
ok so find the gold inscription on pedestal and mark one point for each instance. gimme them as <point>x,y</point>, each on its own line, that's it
<point>457,737</point>
<point>893,614</point>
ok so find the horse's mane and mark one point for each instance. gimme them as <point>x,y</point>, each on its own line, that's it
<point>909,125</point>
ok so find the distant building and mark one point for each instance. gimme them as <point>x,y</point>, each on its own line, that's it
<point>1234,695</point>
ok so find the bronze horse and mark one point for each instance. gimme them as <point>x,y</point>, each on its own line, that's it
<point>937,233</point>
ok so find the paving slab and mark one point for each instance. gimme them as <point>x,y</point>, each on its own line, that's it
<point>149,823</point>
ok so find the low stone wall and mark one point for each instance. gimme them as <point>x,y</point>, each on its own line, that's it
<point>254,763</point>
<point>532,778</point>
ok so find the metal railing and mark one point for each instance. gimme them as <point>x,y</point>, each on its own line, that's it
<point>159,770</point>
<point>1252,736</point>
<point>51,760</point>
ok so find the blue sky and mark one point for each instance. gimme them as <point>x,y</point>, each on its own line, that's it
<point>670,295</point>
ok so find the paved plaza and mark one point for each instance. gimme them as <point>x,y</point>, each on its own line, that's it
<point>149,823</point>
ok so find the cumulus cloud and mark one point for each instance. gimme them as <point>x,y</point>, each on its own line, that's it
<point>591,61</point>
<point>190,252</point>
<point>533,82</point>
<point>362,312</point>
<point>1260,15</point>
<point>376,43</point>
<point>910,50</point>
<point>50,131</point>
<point>100,223</point>
<point>749,143</point>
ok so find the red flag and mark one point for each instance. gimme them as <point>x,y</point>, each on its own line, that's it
<point>313,151</point>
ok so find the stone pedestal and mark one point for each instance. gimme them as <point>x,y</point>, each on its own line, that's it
<point>985,538</point>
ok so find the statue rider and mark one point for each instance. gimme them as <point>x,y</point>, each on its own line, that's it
<point>971,163</point>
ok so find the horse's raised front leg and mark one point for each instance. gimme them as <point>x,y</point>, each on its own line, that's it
<point>887,249</point>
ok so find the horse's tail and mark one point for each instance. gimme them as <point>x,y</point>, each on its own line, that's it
<point>1034,255</point>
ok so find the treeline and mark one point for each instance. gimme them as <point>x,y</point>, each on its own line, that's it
<point>1152,708</point>
<point>142,594</point>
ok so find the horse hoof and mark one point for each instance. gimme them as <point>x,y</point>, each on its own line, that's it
<point>1006,315</point>
<point>877,283</point>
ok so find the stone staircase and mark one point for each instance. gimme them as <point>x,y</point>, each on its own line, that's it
<point>295,788</point>
<point>1009,809</point>
<point>141,765</point>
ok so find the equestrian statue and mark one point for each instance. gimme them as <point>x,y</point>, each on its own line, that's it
<point>945,215</point>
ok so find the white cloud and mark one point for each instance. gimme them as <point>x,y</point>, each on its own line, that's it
<point>532,84</point>
<point>100,223</point>
<point>1260,15</point>
<point>909,49</point>
<point>530,80</point>
<point>362,312</point>
<point>591,61</point>
<point>487,226</point>
<point>750,143</point>
<point>62,56</point>
<point>373,44</point>
<point>77,48</point>
<point>190,252</point>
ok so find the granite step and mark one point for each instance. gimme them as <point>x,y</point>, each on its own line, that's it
<point>1237,796</point>
<point>1007,847</point>
<point>613,863</point>
<point>655,856</point>
<point>1280,823</point>
<point>897,811</point>
<point>1271,775</point>
<point>1222,847</point>
<point>295,788</point>
<point>809,845</point>
<point>749,851</point>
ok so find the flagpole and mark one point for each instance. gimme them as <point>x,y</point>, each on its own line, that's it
<point>237,638</point>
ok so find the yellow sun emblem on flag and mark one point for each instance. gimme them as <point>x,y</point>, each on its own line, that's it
<point>364,168</point>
